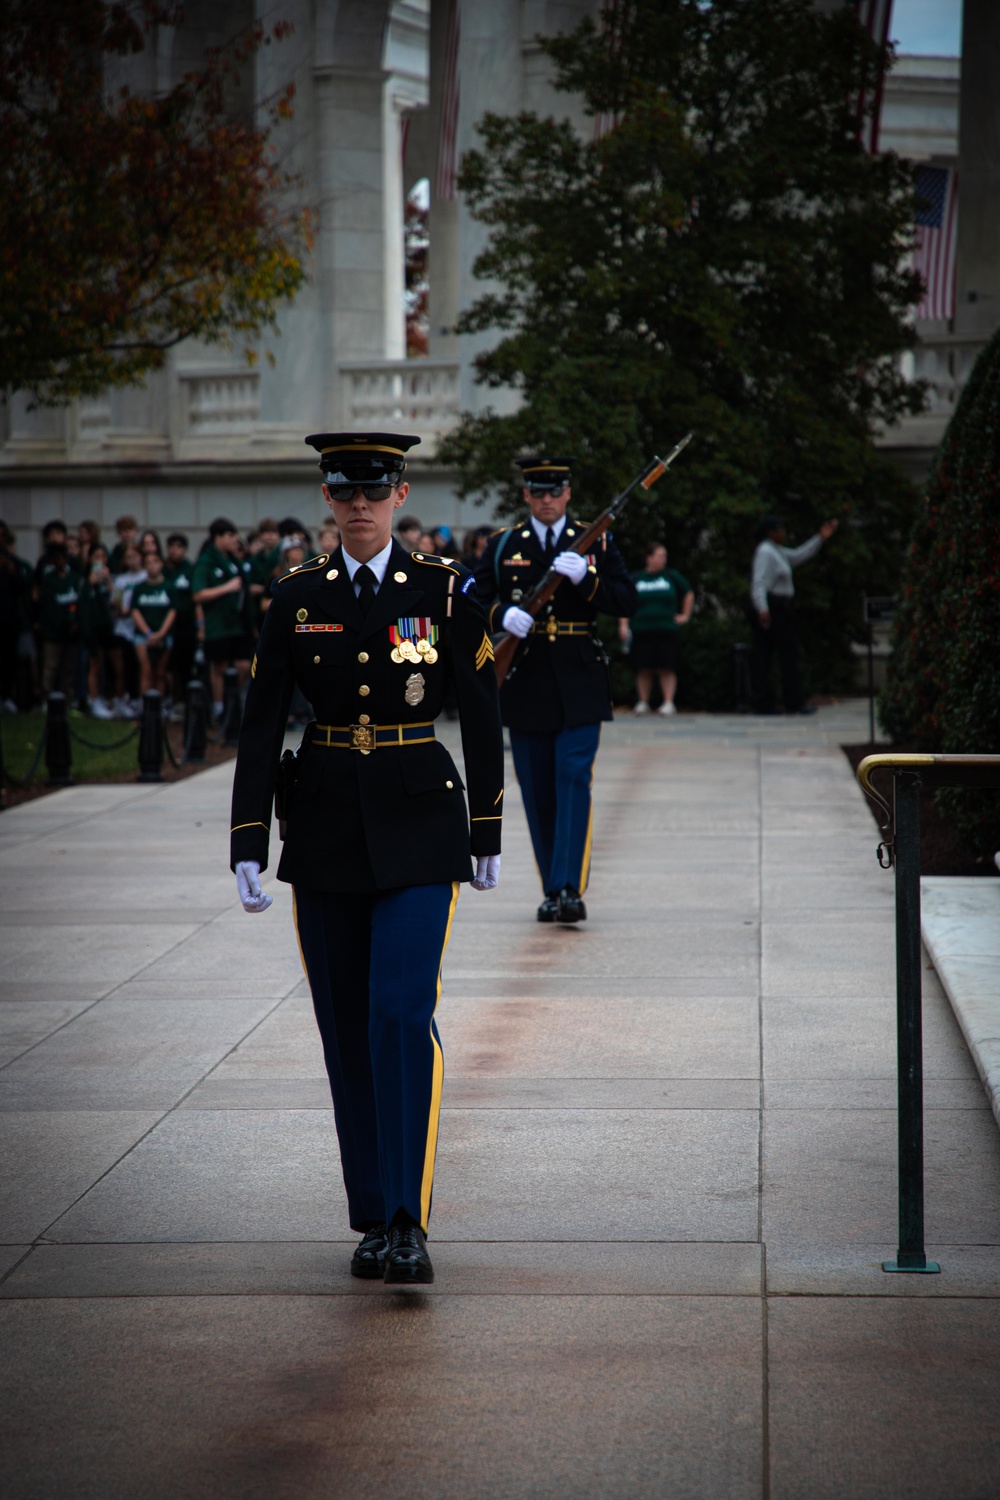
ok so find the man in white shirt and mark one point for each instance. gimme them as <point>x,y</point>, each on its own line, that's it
<point>772,620</point>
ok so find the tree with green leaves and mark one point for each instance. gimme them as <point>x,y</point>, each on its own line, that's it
<point>724,256</point>
<point>942,690</point>
<point>133,217</point>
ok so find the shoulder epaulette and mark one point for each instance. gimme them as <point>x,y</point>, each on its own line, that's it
<point>438,562</point>
<point>306,567</point>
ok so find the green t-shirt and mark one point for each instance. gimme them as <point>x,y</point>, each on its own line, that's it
<point>180,575</point>
<point>59,597</point>
<point>263,565</point>
<point>661,596</point>
<point>154,601</point>
<point>223,616</point>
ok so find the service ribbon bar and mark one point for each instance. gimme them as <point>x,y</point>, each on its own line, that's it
<point>414,628</point>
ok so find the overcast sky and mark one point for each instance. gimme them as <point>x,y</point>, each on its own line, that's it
<point>930,27</point>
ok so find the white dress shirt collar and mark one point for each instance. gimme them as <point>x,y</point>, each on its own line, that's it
<point>378,563</point>
<point>540,528</point>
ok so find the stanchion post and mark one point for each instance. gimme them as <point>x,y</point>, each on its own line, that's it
<point>231,706</point>
<point>195,723</point>
<point>58,754</point>
<point>151,738</point>
<point>909,1040</point>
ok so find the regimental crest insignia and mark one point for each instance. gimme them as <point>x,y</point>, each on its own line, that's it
<point>414,693</point>
<point>485,652</point>
<point>414,640</point>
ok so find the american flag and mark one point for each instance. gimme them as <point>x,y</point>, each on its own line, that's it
<point>936,239</point>
<point>875,16</point>
<point>444,181</point>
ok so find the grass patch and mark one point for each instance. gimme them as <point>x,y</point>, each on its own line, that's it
<point>22,735</point>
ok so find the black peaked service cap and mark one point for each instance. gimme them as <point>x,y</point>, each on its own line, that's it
<point>545,470</point>
<point>362,457</point>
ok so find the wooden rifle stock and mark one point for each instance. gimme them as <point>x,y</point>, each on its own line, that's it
<point>505,645</point>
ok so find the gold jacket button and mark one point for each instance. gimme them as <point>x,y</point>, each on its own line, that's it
<point>362,656</point>
<point>316,660</point>
<point>449,785</point>
<point>364,690</point>
<point>363,719</point>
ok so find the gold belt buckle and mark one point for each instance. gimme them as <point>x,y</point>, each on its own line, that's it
<point>363,738</point>
<point>552,627</point>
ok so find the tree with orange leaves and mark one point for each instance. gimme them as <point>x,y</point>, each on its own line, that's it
<point>136,215</point>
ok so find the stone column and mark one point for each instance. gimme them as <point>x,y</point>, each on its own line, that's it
<point>977,293</point>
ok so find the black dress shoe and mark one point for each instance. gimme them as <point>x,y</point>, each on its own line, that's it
<point>570,906</point>
<point>407,1262</point>
<point>368,1260</point>
<point>549,909</point>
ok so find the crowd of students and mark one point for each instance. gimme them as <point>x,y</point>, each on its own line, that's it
<point>105,625</point>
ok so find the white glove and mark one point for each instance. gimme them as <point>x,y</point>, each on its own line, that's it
<point>487,874</point>
<point>517,621</point>
<point>571,565</point>
<point>248,885</point>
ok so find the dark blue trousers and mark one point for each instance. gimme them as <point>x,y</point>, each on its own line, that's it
<point>555,773</point>
<point>374,967</point>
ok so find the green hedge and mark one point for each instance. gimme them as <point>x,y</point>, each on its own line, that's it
<point>942,691</point>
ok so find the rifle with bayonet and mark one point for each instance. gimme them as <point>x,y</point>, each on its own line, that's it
<point>506,646</point>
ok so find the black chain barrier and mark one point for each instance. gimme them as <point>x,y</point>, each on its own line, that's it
<point>22,781</point>
<point>81,739</point>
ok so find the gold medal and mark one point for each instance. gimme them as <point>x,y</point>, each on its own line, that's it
<point>414,689</point>
<point>396,656</point>
<point>301,614</point>
<point>409,651</point>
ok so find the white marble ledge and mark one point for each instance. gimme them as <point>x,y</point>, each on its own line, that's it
<point>960,924</point>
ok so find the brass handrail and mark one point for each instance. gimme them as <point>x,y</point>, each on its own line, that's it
<point>939,770</point>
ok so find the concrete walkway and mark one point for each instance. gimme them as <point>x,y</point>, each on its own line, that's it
<point>666,1180</point>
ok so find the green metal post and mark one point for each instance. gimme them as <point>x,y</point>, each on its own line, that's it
<point>910,1073</point>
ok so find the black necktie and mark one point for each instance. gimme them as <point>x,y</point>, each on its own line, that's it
<point>550,544</point>
<point>366,578</point>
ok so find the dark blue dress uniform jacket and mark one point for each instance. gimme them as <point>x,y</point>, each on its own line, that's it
<point>396,816</point>
<point>560,680</point>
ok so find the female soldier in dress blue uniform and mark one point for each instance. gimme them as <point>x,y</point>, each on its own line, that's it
<point>377,836</point>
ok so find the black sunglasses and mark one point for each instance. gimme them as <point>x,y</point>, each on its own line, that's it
<point>555,489</point>
<point>371,491</point>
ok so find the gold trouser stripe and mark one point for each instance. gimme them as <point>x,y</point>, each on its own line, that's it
<point>295,919</point>
<point>585,866</point>
<point>249,825</point>
<point>437,1083</point>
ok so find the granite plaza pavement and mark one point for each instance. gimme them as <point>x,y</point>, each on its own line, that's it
<point>666,1177</point>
